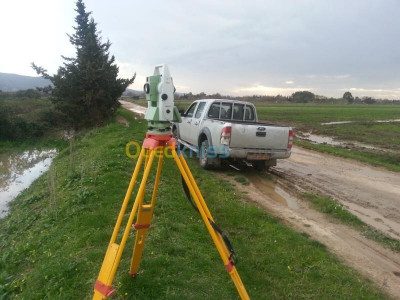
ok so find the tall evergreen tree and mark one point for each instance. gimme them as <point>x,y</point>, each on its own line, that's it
<point>86,88</point>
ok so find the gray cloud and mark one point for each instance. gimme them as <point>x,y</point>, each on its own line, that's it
<point>238,46</point>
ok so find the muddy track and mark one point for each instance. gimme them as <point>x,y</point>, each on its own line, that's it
<point>373,194</point>
<point>379,264</point>
<point>370,193</point>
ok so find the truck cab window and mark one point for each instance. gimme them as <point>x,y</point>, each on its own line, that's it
<point>190,111</point>
<point>200,110</point>
<point>213,112</point>
<point>226,111</point>
<point>249,113</point>
<point>238,112</point>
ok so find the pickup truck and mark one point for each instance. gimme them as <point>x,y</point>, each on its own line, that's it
<point>218,129</point>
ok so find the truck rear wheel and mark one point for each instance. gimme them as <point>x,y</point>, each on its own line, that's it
<point>207,162</point>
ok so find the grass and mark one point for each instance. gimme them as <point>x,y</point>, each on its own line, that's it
<point>242,180</point>
<point>53,242</point>
<point>334,209</point>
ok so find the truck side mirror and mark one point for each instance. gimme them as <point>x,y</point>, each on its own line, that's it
<point>182,112</point>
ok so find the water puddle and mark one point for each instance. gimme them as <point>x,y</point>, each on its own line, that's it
<point>274,192</point>
<point>338,122</point>
<point>18,171</point>
<point>373,121</point>
<point>319,139</point>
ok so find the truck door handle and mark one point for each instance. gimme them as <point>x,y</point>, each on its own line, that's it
<point>197,123</point>
<point>190,121</point>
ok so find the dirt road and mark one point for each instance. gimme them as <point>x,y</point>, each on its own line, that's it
<point>137,109</point>
<point>373,194</point>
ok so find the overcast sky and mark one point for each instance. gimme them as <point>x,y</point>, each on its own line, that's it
<point>230,47</point>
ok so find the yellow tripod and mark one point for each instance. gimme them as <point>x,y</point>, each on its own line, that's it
<point>156,144</point>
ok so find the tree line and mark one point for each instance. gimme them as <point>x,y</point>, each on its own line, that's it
<point>296,97</point>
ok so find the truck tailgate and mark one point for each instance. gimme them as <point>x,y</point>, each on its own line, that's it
<point>259,136</point>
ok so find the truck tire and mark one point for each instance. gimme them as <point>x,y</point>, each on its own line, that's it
<point>205,161</point>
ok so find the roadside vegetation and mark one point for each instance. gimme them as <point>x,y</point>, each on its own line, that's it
<point>334,209</point>
<point>57,233</point>
<point>25,118</point>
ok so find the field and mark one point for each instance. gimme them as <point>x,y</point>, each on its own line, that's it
<point>53,243</point>
<point>305,118</point>
<point>309,118</point>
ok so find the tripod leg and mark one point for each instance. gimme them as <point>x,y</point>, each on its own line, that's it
<point>102,288</point>
<point>127,197</point>
<point>206,216</point>
<point>143,221</point>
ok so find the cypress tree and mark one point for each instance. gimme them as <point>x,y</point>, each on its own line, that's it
<point>86,88</point>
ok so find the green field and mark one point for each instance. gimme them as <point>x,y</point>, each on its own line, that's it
<point>308,118</point>
<point>53,242</point>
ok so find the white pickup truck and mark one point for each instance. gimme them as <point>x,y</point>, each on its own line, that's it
<point>228,129</point>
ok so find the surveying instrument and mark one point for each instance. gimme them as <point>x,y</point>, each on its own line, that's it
<point>159,90</point>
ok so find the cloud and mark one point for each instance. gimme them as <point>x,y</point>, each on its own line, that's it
<point>217,46</point>
<point>268,90</point>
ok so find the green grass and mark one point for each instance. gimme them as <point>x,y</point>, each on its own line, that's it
<point>313,115</point>
<point>334,209</point>
<point>53,249</point>
<point>242,180</point>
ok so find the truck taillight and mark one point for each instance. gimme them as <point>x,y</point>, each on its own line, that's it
<point>226,135</point>
<point>290,140</point>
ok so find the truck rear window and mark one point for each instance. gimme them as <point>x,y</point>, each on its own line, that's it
<point>213,112</point>
<point>249,113</point>
<point>238,112</point>
<point>226,111</point>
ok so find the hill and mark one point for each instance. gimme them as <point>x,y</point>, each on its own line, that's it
<point>14,82</point>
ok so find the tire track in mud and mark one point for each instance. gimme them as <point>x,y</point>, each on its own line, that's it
<point>379,264</point>
<point>278,197</point>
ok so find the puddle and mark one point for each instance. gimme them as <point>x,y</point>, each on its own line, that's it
<point>319,139</point>
<point>339,122</point>
<point>373,121</point>
<point>272,191</point>
<point>387,121</point>
<point>18,171</point>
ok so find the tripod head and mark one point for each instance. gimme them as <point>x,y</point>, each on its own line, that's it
<point>159,90</point>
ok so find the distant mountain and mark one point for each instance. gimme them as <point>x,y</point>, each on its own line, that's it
<point>130,92</point>
<point>14,82</point>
